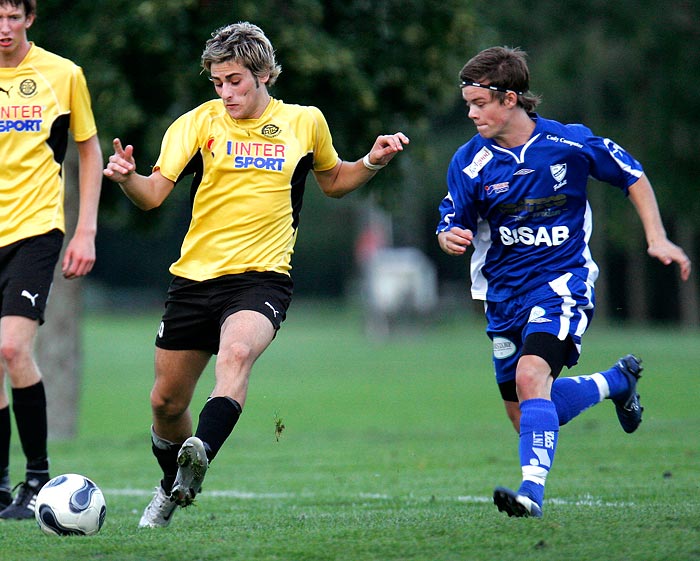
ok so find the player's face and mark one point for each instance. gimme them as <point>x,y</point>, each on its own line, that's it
<point>244,95</point>
<point>13,34</point>
<point>489,115</point>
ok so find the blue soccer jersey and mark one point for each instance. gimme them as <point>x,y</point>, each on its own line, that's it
<point>528,206</point>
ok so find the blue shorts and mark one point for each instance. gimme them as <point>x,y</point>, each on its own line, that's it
<point>563,308</point>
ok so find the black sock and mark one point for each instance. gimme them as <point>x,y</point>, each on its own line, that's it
<point>216,421</point>
<point>5,433</point>
<point>29,406</point>
<point>166,455</point>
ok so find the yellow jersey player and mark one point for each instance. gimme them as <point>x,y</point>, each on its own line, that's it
<point>42,97</point>
<point>250,155</point>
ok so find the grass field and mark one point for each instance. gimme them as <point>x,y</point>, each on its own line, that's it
<point>390,452</point>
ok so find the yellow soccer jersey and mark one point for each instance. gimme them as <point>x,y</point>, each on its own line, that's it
<point>248,187</point>
<point>40,100</point>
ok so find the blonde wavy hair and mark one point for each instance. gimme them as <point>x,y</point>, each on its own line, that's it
<point>245,44</point>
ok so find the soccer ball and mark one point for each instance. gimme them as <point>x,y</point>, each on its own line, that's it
<point>70,504</point>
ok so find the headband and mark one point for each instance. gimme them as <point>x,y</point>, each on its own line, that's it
<point>489,87</point>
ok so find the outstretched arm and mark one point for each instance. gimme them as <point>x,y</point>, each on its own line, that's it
<point>642,196</point>
<point>146,192</point>
<point>348,176</point>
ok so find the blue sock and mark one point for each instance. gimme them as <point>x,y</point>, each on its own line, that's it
<point>617,382</point>
<point>572,396</point>
<point>539,430</point>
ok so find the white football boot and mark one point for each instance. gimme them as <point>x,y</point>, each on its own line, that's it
<point>193,464</point>
<point>159,511</point>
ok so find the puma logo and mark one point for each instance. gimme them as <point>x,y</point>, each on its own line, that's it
<point>29,296</point>
<point>6,92</point>
<point>274,312</point>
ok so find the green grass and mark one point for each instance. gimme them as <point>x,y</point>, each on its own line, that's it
<point>390,452</point>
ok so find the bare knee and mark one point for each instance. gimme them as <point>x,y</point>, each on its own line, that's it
<point>526,382</point>
<point>167,407</point>
<point>236,355</point>
<point>533,378</point>
<point>9,351</point>
<point>16,348</point>
<point>16,358</point>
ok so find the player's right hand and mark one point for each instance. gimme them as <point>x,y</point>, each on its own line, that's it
<point>455,241</point>
<point>121,164</point>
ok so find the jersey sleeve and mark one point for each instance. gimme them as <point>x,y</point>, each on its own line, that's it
<point>325,155</point>
<point>457,209</point>
<point>180,143</point>
<point>610,162</point>
<point>82,120</point>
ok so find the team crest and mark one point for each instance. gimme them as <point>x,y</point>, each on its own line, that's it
<point>559,174</point>
<point>270,130</point>
<point>27,88</point>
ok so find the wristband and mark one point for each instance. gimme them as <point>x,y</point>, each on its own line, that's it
<point>370,166</point>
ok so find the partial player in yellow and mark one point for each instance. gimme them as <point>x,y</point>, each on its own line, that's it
<point>250,155</point>
<point>43,97</point>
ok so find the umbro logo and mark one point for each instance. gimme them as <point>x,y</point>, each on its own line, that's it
<point>30,297</point>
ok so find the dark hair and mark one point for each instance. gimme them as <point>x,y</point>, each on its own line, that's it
<point>29,5</point>
<point>505,68</point>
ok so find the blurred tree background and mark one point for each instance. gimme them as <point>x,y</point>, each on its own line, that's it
<point>626,69</point>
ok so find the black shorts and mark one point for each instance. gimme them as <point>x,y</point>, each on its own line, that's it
<point>26,274</point>
<point>195,311</point>
<point>549,348</point>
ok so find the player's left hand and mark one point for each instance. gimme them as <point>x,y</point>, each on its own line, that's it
<point>386,147</point>
<point>667,252</point>
<point>79,257</point>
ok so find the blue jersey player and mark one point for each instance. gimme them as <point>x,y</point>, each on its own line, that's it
<point>517,194</point>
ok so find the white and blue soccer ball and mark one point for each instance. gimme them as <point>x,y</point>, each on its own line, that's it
<point>70,504</point>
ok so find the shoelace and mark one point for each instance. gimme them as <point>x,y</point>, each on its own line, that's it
<point>25,494</point>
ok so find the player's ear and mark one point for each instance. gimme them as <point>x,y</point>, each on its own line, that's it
<point>265,78</point>
<point>29,21</point>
